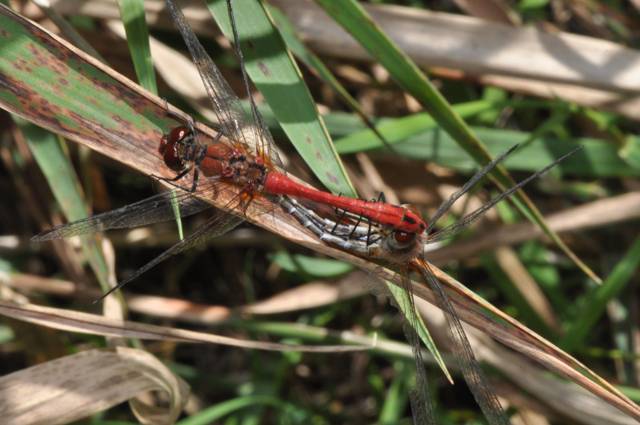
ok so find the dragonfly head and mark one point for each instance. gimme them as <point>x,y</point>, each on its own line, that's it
<point>398,246</point>
<point>172,148</point>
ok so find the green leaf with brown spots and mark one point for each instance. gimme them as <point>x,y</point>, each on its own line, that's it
<point>51,83</point>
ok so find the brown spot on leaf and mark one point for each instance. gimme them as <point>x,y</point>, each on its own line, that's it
<point>332,178</point>
<point>264,69</point>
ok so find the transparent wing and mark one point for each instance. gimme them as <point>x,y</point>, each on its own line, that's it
<point>358,240</point>
<point>446,205</point>
<point>473,374</point>
<point>421,404</point>
<point>155,209</point>
<point>456,227</point>
<point>226,105</point>
<point>219,224</point>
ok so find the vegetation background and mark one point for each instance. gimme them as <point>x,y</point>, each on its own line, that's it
<point>515,71</point>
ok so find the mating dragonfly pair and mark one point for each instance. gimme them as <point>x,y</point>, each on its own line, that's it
<point>243,158</point>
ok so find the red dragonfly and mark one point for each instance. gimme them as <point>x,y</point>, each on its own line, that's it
<point>405,251</point>
<point>246,160</point>
<point>241,156</point>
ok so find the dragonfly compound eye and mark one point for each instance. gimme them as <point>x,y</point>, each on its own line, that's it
<point>403,238</point>
<point>169,148</point>
<point>178,134</point>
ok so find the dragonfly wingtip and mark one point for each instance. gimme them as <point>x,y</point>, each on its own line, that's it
<point>40,237</point>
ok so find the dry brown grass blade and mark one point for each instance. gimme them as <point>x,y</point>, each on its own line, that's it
<point>565,397</point>
<point>311,295</point>
<point>600,73</point>
<point>600,213</point>
<point>490,10</point>
<point>584,70</point>
<point>527,286</point>
<point>558,396</point>
<point>305,296</point>
<point>472,309</point>
<point>79,385</point>
<point>77,321</point>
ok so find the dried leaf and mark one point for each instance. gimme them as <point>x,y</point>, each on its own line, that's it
<point>79,385</point>
<point>76,321</point>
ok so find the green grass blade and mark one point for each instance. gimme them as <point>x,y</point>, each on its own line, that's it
<point>63,181</point>
<point>418,137</point>
<point>278,78</point>
<point>217,412</point>
<point>400,129</point>
<point>133,18</point>
<point>620,277</point>
<point>405,304</point>
<point>351,16</point>
<point>317,267</point>
<point>314,63</point>
<point>396,398</point>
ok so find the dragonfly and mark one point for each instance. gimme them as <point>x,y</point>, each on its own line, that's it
<point>240,160</point>
<point>406,252</point>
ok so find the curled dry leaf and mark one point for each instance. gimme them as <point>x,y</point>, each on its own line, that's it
<point>79,385</point>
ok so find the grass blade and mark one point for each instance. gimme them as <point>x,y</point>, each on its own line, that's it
<point>358,23</point>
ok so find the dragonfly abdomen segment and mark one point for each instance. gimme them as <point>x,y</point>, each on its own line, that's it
<point>395,216</point>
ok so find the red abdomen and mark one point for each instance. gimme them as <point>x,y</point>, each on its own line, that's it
<point>399,218</point>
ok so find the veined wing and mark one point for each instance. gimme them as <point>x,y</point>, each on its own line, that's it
<point>473,374</point>
<point>446,206</point>
<point>155,209</point>
<point>461,224</point>
<point>251,133</point>
<point>220,223</point>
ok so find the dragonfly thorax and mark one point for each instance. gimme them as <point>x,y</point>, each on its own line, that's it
<point>246,172</point>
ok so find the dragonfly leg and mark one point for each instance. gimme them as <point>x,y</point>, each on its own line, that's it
<point>172,180</point>
<point>196,176</point>
<point>369,232</point>
<point>355,226</point>
<point>338,220</point>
